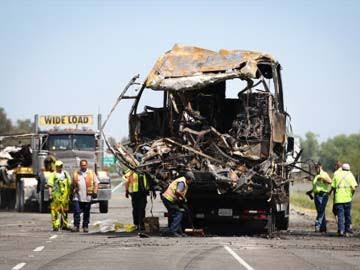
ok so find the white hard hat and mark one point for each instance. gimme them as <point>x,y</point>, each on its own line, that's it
<point>346,167</point>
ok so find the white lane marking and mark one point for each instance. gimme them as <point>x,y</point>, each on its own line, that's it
<point>238,258</point>
<point>38,249</point>
<point>53,236</point>
<point>18,266</point>
<point>117,187</point>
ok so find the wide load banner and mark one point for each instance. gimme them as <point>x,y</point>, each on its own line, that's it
<point>57,120</point>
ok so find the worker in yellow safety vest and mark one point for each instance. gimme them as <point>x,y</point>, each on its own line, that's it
<point>59,192</point>
<point>321,187</point>
<point>137,186</point>
<point>85,188</point>
<point>344,185</point>
<point>174,199</point>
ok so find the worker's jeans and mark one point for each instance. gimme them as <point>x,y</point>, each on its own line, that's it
<point>320,200</point>
<point>176,215</point>
<point>344,216</point>
<point>138,201</point>
<point>83,207</point>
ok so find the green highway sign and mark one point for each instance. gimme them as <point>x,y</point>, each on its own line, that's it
<point>109,159</point>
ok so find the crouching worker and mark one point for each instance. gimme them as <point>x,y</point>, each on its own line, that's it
<point>174,199</point>
<point>59,192</point>
<point>137,186</point>
<point>85,187</point>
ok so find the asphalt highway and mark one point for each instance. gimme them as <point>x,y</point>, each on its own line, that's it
<point>27,242</point>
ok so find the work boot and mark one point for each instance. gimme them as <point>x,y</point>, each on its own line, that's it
<point>75,229</point>
<point>86,230</point>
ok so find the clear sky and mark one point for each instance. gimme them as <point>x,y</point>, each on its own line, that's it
<point>75,56</point>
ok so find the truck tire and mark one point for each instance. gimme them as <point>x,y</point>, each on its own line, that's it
<point>104,207</point>
<point>8,199</point>
<point>11,198</point>
<point>282,222</point>
<point>2,199</point>
<point>270,226</point>
<point>282,219</point>
<point>20,200</point>
<point>43,205</point>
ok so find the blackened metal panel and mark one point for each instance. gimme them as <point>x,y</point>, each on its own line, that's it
<point>278,127</point>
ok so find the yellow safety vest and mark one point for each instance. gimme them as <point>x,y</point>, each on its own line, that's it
<point>169,194</point>
<point>337,171</point>
<point>60,187</point>
<point>133,180</point>
<point>343,183</point>
<point>319,185</point>
<point>47,174</point>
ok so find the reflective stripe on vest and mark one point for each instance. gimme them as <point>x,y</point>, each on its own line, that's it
<point>169,194</point>
<point>343,187</point>
<point>60,186</point>
<point>133,179</point>
<point>343,179</point>
<point>89,181</point>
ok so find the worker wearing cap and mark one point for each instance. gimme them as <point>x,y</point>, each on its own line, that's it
<point>321,187</point>
<point>85,187</point>
<point>59,192</point>
<point>137,186</point>
<point>344,185</point>
<point>338,169</point>
<point>173,198</point>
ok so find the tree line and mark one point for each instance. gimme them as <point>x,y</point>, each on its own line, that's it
<point>7,127</point>
<point>345,148</point>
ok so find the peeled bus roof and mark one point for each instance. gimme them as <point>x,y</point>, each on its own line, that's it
<point>188,68</point>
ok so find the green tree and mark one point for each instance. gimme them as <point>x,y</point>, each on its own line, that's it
<point>310,146</point>
<point>21,127</point>
<point>24,126</point>
<point>5,123</point>
<point>345,148</point>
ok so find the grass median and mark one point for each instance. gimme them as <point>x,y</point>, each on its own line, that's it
<point>300,199</point>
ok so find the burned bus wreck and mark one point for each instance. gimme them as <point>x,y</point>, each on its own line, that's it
<point>236,146</point>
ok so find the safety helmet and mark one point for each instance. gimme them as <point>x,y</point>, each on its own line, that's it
<point>59,163</point>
